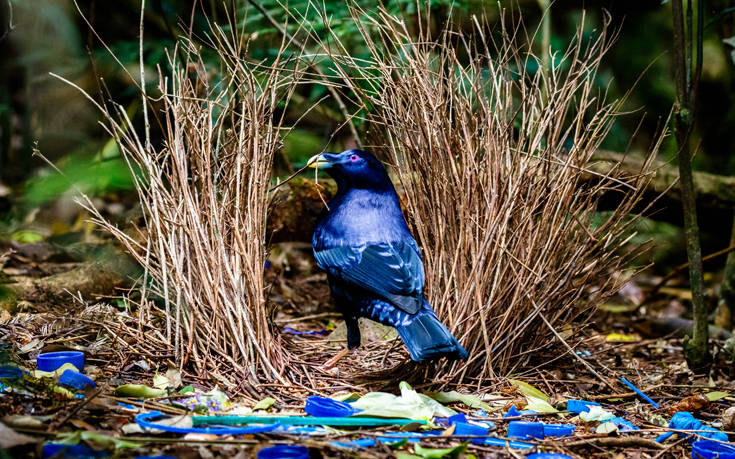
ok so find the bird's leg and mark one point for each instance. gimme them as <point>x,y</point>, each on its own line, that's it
<point>353,341</point>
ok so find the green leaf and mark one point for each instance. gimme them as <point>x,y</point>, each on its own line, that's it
<point>540,406</point>
<point>410,404</point>
<point>95,438</point>
<point>716,395</point>
<point>187,389</point>
<point>404,455</point>
<point>473,401</point>
<point>433,453</point>
<point>398,444</point>
<point>528,390</point>
<point>139,391</point>
<point>26,236</point>
<point>264,404</point>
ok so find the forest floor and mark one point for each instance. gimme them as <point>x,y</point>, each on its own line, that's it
<point>642,343</point>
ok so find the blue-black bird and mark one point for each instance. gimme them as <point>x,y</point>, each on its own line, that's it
<point>372,261</point>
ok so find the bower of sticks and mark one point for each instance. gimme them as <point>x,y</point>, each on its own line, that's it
<point>494,167</point>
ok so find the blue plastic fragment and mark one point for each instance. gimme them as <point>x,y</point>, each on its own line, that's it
<point>580,406</point>
<point>76,380</point>
<point>548,456</point>
<point>622,424</point>
<point>62,450</point>
<point>494,441</point>
<point>459,417</point>
<point>284,452</point>
<point>359,443</point>
<point>127,405</point>
<point>328,408</point>
<point>464,428</point>
<point>708,449</point>
<point>51,361</point>
<point>143,421</point>
<point>525,429</point>
<point>308,332</point>
<point>558,430</point>
<point>639,392</point>
<point>684,420</point>
<point>512,412</point>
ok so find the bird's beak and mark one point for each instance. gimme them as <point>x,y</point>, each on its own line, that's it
<point>319,161</point>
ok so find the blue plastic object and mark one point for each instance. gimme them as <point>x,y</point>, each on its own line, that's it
<point>464,428</point>
<point>328,408</point>
<point>143,420</point>
<point>308,332</point>
<point>512,412</point>
<point>558,430</point>
<point>639,392</point>
<point>525,429</point>
<point>284,452</point>
<point>51,361</point>
<point>76,380</point>
<point>580,406</point>
<point>9,372</point>
<point>623,425</point>
<point>494,441</point>
<point>548,456</point>
<point>359,443</point>
<point>684,420</point>
<point>459,417</point>
<point>62,450</point>
<point>708,449</point>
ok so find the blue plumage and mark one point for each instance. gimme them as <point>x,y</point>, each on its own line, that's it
<point>372,261</point>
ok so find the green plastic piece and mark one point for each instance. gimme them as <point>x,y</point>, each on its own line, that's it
<point>301,421</point>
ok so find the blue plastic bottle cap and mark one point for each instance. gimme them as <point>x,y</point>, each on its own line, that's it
<point>62,450</point>
<point>525,429</point>
<point>548,456</point>
<point>580,406</point>
<point>51,361</point>
<point>76,380</point>
<point>284,452</point>
<point>708,449</point>
<point>463,428</point>
<point>558,430</point>
<point>328,408</point>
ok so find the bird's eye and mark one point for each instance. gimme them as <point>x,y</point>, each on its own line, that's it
<point>354,158</point>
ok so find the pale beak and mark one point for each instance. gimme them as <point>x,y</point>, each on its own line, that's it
<point>319,161</point>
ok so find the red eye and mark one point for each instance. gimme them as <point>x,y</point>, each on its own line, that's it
<point>354,158</point>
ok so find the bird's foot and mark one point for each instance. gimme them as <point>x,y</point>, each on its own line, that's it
<point>329,364</point>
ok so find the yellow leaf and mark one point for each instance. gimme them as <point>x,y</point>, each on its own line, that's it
<point>528,390</point>
<point>620,338</point>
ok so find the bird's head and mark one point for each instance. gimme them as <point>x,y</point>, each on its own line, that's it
<point>353,169</point>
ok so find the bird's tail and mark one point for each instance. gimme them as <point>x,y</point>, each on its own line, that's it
<point>428,339</point>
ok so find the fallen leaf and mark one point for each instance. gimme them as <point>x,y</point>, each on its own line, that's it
<point>620,338</point>
<point>716,395</point>
<point>139,391</point>
<point>606,428</point>
<point>264,404</point>
<point>528,390</point>
<point>9,438</point>
<point>437,453</point>
<point>596,413</point>
<point>540,406</point>
<point>473,401</point>
<point>692,404</point>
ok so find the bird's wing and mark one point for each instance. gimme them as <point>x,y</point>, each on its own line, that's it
<point>392,270</point>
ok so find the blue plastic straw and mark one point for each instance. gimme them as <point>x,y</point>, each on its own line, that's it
<point>639,392</point>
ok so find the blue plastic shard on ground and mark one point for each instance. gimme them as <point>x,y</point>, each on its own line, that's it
<point>639,392</point>
<point>328,408</point>
<point>708,449</point>
<point>62,450</point>
<point>76,380</point>
<point>495,441</point>
<point>684,420</point>
<point>580,406</point>
<point>359,443</point>
<point>622,424</point>
<point>548,456</point>
<point>525,430</point>
<point>307,332</point>
<point>284,452</point>
<point>512,412</point>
